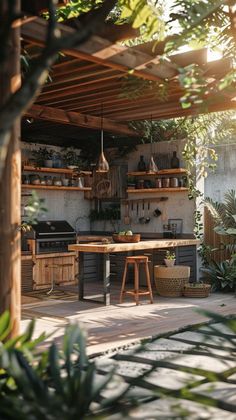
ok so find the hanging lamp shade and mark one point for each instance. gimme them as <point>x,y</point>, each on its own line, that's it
<point>103,165</point>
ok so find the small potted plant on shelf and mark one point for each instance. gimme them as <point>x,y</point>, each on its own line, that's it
<point>169,259</point>
<point>43,157</point>
<point>71,158</point>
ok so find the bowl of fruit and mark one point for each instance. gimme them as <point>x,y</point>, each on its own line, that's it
<point>126,236</point>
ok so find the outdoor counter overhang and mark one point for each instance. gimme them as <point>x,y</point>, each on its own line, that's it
<point>107,249</point>
<point>142,245</point>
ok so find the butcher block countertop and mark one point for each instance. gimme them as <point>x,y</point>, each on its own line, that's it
<point>122,247</point>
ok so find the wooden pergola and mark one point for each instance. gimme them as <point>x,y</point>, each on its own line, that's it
<point>99,72</point>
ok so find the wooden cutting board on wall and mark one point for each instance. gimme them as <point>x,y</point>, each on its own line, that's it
<point>108,185</point>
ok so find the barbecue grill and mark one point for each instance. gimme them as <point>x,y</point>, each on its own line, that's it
<point>52,236</point>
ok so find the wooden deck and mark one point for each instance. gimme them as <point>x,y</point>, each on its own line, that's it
<point>118,325</point>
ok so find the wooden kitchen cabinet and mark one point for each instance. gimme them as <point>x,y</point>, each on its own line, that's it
<point>55,269</point>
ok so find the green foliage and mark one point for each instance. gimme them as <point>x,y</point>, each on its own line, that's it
<point>40,155</point>
<point>55,384</point>
<point>170,255</point>
<point>204,252</point>
<point>72,158</point>
<point>222,275</point>
<point>224,215</point>
<point>109,213</point>
<point>145,15</point>
<point>62,383</point>
<point>33,210</point>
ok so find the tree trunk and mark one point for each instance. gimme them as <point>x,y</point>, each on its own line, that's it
<point>10,186</point>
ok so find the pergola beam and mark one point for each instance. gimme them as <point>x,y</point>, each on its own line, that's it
<point>105,52</point>
<point>77,119</point>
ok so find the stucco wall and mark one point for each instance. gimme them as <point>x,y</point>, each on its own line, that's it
<point>224,178</point>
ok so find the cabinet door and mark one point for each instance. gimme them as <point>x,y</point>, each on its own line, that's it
<point>43,273</point>
<point>57,270</point>
<point>187,256</point>
<point>64,270</point>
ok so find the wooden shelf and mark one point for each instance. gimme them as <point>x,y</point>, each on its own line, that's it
<point>155,190</point>
<point>55,170</point>
<point>178,171</point>
<point>54,187</point>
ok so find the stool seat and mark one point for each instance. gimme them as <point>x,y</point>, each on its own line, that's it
<point>136,292</point>
<point>137,259</point>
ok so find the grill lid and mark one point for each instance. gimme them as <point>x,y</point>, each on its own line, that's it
<point>53,227</point>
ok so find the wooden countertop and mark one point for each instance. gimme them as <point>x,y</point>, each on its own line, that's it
<point>122,247</point>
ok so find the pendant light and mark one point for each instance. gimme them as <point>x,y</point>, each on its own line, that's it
<point>103,165</point>
<point>152,167</point>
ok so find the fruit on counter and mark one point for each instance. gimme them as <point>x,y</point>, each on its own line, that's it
<point>125,232</point>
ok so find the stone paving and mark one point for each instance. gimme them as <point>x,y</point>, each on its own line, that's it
<point>179,373</point>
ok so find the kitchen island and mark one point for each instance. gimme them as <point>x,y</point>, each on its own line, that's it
<point>106,249</point>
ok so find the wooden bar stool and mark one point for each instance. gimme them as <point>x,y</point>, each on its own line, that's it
<point>136,292</point>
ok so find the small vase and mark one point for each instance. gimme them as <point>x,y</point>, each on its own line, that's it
<point>174,163</point>
<point>169,263</point>
<point>152,167</point>
<point>141,165</point>
<point>48,163</point>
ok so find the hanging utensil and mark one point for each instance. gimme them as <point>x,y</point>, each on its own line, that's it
<point>126,217</point>
<point>142,218</point>
<point>147,220</point>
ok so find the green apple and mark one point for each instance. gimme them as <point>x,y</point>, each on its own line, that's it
<point>122,233</point>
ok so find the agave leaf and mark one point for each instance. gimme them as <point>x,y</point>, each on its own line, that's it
<point>5,325</point>
<point>27,375</point>
<point>27,336</point>
<point>54,367</point>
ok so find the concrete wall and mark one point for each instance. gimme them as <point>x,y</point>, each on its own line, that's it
<point>224,178</point>
<point>68,205</point>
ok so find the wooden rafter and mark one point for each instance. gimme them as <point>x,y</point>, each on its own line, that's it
<point>74,118</point>
<point>102,51</point>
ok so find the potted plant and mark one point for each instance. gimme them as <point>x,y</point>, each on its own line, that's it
<point>169,259</point>
<point>71,159</point>
<point>43,157</point>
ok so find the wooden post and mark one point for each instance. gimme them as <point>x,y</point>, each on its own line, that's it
<point>10,185</point>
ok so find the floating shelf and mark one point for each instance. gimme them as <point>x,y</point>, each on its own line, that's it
<point>54,187</point>
<point>178,171</point>
<point>155,190</point>
<point>55,170</point>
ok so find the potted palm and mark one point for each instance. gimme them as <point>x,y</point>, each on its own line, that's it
<point>169,259</point>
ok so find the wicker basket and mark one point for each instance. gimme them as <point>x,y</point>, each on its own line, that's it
<point>126,238</point>
<point>170,281</point>
<point>198,291</point>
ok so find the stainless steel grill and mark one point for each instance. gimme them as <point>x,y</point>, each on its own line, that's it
<point>53,236</point>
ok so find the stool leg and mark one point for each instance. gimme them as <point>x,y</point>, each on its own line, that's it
<point>136,283</point>
<point>123,283</point>
<point>148,282</point>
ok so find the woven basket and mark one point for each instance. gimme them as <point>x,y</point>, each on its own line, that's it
<point>126,238</point>
<point>170,281</point>
<point>199,291</point>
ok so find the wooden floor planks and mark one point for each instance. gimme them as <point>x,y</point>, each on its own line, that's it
<point>118,325</point>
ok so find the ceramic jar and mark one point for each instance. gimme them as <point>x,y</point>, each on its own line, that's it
<point>165,182</point>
